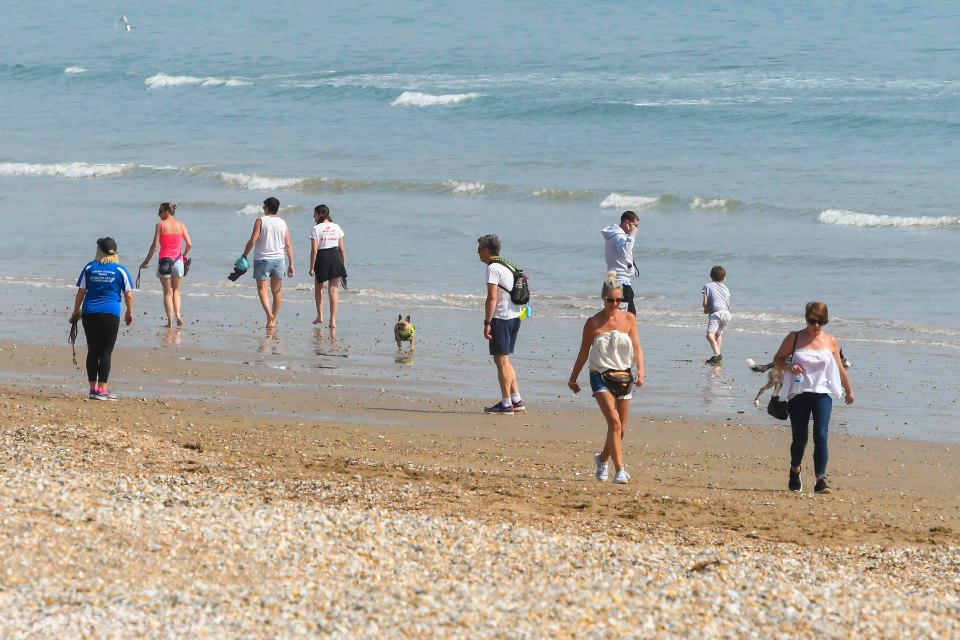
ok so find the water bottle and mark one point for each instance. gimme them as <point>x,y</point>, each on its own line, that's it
<point>798,378</point>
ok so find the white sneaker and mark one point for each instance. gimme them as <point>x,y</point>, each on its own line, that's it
<point>603,472</point>
<point>621,477</point>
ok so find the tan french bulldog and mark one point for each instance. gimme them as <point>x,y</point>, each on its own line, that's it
<point>404,331</point>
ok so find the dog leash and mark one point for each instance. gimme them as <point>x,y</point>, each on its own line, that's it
<point>72,338</point>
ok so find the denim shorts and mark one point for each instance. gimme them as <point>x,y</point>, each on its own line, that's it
<point>267,269</point>
<point>596,384</point>
<point>176,271</point>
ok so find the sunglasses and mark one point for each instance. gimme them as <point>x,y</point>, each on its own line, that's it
<point>815,321</point>
<point>616,300</point>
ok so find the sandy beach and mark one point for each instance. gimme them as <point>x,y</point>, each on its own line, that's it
<point>358,510</point>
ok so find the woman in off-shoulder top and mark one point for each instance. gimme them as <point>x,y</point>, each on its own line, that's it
<point>814,376</point>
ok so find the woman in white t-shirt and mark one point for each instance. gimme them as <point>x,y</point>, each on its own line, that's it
<point>328,261</point>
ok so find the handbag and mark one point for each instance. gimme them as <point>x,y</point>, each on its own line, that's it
<point>619,381</point>
<point>780,409</point>
<point>165,266</point>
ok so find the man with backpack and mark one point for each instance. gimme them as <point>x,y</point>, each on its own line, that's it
<point>501,322</point>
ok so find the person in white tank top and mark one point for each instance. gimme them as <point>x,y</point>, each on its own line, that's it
<point>814,375</point>
<point>270,241</point>
<point>610,341</point>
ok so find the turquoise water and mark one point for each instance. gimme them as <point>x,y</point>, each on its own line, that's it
<point>809,149</point>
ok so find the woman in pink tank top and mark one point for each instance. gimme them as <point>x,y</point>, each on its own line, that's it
<point>173,241</point>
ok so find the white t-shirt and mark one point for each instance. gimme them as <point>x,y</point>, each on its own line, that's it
<point>718,296</point>
<point>271,241</point>
<point>498,274</point>
<point>327,235</point>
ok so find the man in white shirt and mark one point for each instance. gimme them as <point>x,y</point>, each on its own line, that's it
<point>271,242</point>
<point>501,323</point>
<point>618,248</point>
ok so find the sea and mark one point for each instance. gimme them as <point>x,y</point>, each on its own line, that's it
<point>809,148</point>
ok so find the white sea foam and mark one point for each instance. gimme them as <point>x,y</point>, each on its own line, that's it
<point>564,195</point>
<point>64,170</point>
<point>70,70</point>
<point>259,183</point>
<point>621,201</point>
<point>417,99</point>
<point>162,80</point>
<point>705,204</point>
<point>465,188</point>
<point>846,218</point>
<point>257,209</point>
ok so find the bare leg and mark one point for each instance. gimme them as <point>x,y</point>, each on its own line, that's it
<point>175,285</point>
<point>318,298</point>
<point>334,292</point>
<point>276,285</point>
<point>167,300</point>
<point>615,412</point>
<point>506,375</point>
<point>714,341</point>
<point>263,292</point>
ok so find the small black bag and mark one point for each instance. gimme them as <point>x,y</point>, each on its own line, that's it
<point>779,409</point>
<point>619,381</point>
<point>165,266</point>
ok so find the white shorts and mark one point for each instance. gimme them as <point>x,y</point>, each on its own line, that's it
<point>718,321</point>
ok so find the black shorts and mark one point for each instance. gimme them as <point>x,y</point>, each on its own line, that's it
<point>504,334</point>
<point>328,265</point>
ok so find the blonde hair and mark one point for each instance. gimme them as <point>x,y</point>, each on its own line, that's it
<point>106,258</point>
<point>611,283</point>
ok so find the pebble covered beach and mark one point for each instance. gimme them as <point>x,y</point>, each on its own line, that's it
<point>146,519</point>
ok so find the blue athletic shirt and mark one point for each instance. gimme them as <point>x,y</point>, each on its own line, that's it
<point>105,285</point>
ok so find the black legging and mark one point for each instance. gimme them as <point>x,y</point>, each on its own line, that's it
<point>101,330</point>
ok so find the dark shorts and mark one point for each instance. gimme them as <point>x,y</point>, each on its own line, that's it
<point>328,265</point>
<point>504,334</point>
<point>628,298</point>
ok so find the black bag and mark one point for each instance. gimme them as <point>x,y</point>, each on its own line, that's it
<point>520,293</point>
<point>619,381</point>
<point>778,408</point>
<point>165,266</point>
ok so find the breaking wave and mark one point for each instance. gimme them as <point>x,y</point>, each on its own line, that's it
<point>846,218</point>
<point>162,80</point>
<point>65,169</point>
<point>621,201</point>
<point>416,99</point>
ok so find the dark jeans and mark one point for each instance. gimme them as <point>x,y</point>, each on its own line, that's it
<point>802,406</point>
<point>628,298</point>
<point>101,331</point>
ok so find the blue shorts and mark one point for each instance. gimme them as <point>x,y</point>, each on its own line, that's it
<point>504,334</point>
<point>268,269</point>
<point>596,384</point>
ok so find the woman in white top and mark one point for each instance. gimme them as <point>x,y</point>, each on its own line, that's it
<point>610,340</point>
<point>814,376</point>
<point>328,261</point>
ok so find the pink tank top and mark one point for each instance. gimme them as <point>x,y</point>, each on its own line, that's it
<point>170,244</point>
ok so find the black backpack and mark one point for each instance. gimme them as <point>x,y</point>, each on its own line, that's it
<point>520,293</point>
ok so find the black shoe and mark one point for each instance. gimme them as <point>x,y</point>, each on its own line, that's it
<point>821,486</point>
<point>795,484</point>
<point>714,360</point>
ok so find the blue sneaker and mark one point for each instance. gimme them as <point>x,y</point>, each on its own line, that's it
<point>519,406</point>
<point>504,409</point>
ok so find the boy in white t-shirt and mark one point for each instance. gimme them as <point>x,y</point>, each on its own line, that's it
<point>716,303</point>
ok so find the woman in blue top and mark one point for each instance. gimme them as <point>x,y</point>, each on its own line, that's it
<point>100,287</point>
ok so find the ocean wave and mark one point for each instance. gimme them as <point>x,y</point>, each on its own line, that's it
<point>711,204</point>
<point>565,195</point>
<point>464,188</point>
<point>162,80</point>
<point>621,201</point>
<point>259,183</point>
<point>846,218</point>
<point>417,99</point>
<point>65,170</point>
<point>71,70</point>
<point>257,209</point>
